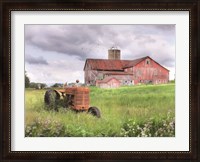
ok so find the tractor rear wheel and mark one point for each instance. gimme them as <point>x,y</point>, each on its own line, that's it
<point>51,98</point>
<point>94,111</point>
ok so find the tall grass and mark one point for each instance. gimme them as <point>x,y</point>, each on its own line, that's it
<point>119,107</point>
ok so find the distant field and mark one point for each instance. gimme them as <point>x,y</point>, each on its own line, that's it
<point>145,110</point>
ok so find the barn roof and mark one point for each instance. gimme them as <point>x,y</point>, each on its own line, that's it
<point>114,65</point>
<point>105,64</point>
<point>134,62</point>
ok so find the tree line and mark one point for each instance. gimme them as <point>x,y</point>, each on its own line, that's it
<point>29,84</point>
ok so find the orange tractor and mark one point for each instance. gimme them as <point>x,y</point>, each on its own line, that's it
<point>76,98</point>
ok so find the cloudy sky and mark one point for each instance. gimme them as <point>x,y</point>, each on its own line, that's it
<point>57,53</point>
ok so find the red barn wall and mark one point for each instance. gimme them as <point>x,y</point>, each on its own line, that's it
<point>150,72</point>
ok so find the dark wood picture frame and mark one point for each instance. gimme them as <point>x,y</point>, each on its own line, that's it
<point>7,6</point>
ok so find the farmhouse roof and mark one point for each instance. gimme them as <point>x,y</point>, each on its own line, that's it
<point>114,65</point>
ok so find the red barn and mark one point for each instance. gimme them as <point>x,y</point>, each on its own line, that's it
<point>127,72</point>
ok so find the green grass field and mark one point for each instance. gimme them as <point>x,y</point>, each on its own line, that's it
<point>144,110</point>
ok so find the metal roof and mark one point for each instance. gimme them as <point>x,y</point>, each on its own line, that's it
<point>114,65</point>
<point>135,62</point>
<point>105,64</point>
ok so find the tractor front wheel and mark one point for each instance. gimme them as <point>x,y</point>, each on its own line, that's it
<point>51,98</point>
<point>94,111</point>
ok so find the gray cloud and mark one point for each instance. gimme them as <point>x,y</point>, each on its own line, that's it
<point>70,40</point>
<point>87,41</point>
<point>35,60</point>
<point>169,62</point>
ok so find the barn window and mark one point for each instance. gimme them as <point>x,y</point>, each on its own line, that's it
<point>147,61</point>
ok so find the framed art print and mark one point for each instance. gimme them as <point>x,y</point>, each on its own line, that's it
<point>100,80</point>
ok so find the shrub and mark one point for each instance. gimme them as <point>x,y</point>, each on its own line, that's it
<point>45,128</point>
<point>50,128</point>
<point>150,128</point>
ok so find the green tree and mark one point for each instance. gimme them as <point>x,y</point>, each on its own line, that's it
<point>36,85</point>
<point>27,81</point>
<point>57,85</point>
<point>43,85</point>
<point>32,85</point>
